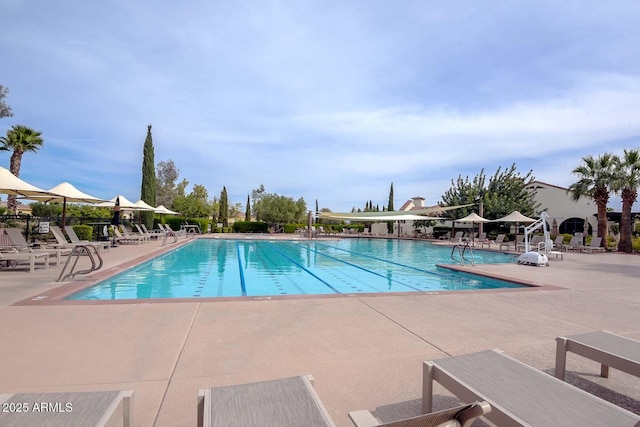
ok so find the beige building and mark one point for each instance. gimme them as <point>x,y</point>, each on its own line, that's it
<point>569,214</point>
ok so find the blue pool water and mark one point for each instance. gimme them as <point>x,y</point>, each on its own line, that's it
<point>231,268</point>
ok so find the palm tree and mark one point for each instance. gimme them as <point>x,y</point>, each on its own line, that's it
<point>20,139</point>
<point>626,181</point>
<point>595,178</point>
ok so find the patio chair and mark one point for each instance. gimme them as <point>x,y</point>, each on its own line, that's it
<point>519,395</point>
<point>574,244</point>
<point>126,239</point>
<point>498,241</point>
<point>9,257</point>
<point>457,238</point>
<point>61,241</point>
<point>460,416</point>
<point>610,350</point>
<point>98,408</point>
<point>594,246</point>
<point>20,245</point>
<point>72,235</point>
<point>152,234</point>
<point>558,243</point>
<point>146,236</point>
<point>286,402</point>
<point>445,236</point>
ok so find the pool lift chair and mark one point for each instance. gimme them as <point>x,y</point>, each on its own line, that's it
<point>537,257</point>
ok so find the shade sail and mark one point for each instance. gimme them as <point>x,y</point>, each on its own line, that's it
<point>11,184</point>
<point>414,214</point>
<point>162,210</point>
<point>125,204</point>
<point>515,216</point>
<point>66,192</point>
<point>144,206</point>
<point>473,217</point>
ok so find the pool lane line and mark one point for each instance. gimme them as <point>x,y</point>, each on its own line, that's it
<point>242,284</point>
<point>306,270</point>
<point>444,276</point>
<point>363,269</point>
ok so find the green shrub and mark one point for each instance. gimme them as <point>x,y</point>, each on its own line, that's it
<point>84,232</point>
<point>635,244</point>
<point>291,228</point>
<point>250,227</point>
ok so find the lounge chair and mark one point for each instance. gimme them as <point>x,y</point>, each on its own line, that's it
<point>594,246</point>
<point>72,235</point>
<point>99,408</point>
<point>61,241</point>
<point>146,235</point>
<point>574,244</point>
<point>7,257</point>
<point>152,234</point>
<point>20,245</point>
<point>460,416</point>
<point>121,238</point>
<point>445,236</point>
<point>558,243</point>
<point>498,241</point>
<point>129,233</point>
<point>286,402</point>
<point>519,395</point>
<point>456,239</point>
<point>610,350</point>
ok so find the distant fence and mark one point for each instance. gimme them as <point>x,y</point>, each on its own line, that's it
<point>30,224</point>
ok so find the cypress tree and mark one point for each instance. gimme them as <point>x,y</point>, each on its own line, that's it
<point>224,208</point>
<point>247,213</point>
<point>390,208</point>
<point>148,188</point>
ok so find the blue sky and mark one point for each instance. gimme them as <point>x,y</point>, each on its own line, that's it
<point>326,100</point>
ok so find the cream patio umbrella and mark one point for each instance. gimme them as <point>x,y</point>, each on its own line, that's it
<point>165,211</point>
<point>66,192</point>
<point>11,184</point>
<point>516,217</point>
<point>473,218</point>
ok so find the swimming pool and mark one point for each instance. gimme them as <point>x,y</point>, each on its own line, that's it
<point>232,268</point>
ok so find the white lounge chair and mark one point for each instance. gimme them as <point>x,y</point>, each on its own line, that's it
<point>8,257</point>
<point>61,241</point>
<point>593,246</point>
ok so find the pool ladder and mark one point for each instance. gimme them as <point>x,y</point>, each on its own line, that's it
<point>90,251</point>
<point>461,250</point>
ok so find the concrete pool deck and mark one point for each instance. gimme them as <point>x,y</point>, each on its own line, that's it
<point>365,352</point>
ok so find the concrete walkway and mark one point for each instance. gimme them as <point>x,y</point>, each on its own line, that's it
<point>365,352</point>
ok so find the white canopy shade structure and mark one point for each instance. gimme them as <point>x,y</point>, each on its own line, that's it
<point>515,216</point>
<point>473,218</point>
<point>165,211</point>
<point>66,192</point>
<point>414,214</point>
<point>143,206</point>
<point>125,204</point>
<point>11,184</point>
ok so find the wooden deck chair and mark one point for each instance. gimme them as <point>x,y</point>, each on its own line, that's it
<point>460,416</point>
<point>286,402</point>
<point>99,408</point>
<point>519,395</point>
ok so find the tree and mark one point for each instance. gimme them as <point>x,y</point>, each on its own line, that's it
<point>20,139</point>
<point>276,209</point>
<point>5,110</point>
<point>247,211</point>
<point>256,196</point>
<point>148,187</point>
<point>390,208</point>
<point>194,205</point>
<point>625,181</point>
<point>223,215</point>
<point>595,178</point>
<point>166,176</point>
<point>506,192</point>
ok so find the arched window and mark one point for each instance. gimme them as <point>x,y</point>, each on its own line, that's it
<point>573,225</point>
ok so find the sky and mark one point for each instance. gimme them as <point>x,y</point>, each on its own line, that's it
<point>326,100</point>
